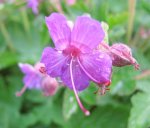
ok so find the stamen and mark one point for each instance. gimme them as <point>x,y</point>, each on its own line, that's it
<point>86,112</point>
<point>42,70</point>
<point>19,93</point>
<point>97,91</point>
<point>103,88</point>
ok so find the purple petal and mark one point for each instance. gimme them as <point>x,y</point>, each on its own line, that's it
<point>98,66</point>
<point>26,68</point>
<point>32,77</point>
<point>35,10</point>
<point>32,80</point>
<point>87,33</point>
<point>59,30</point>
<point>34,5</point>
<point>54,61</point>
<point>81,80</point>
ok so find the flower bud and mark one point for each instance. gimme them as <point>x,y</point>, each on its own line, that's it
<point>49,86</point>
<point>70,2</point>
<point>121,55</point>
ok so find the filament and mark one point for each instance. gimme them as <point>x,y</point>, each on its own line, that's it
<point>86,112</point>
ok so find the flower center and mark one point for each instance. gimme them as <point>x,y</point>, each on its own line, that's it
<point>72,51</point>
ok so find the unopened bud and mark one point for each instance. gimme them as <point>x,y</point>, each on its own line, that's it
<point>49,86</point>
<point>121,56</point>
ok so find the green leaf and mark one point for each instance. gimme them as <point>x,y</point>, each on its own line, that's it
<point>119,18</point>
<point>106,99</point>
<point>143,85</point>
<point>69,104</point>
<point>27,120</point>
<point>101,117</point>
<point>123,82</point>
<point>36,96</point>
<point>77,9</point>
<point>117,7</point>
<point>9,116</point>
<point>117,33</point>
<point>10,104</point>
<point>142,60</point>
<point>7,59</point>
<point>43,112</point>
<point>27,45</point>
<point>57,113</point>
<point>8,90</point>
<point>140,112</point>
<point>88,94</point>
<point>146,4</point>
<point>2,44</point>
<point>100,9</point>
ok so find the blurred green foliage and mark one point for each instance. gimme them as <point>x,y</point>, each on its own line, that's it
<point>23,36</point>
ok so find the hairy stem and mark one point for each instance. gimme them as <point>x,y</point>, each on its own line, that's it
<point>6,36</point>
<point>132,5</point>
<point>25,20</point>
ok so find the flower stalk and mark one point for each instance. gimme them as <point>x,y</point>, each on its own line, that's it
<point>6,36</point>
<point>131,12</point>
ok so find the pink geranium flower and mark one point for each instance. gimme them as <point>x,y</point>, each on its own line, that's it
<point>75,58</point>
<point>34,79</point>
<point>34,5</point>
<point>71,2</point>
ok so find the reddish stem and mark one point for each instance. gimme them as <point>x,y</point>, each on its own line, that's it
<point>19,93</point>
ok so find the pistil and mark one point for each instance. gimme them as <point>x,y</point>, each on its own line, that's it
<point>86,112</point>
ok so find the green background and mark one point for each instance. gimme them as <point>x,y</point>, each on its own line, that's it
<point>23,36</point>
